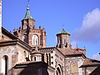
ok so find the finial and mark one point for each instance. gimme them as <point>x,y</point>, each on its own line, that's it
<point>63,27</point>
<point>84,47</point>
<point>27,15</point>
<point>76,45</point>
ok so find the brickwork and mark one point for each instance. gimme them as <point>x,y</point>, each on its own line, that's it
<point>28,30</point>
<point>63,40</point>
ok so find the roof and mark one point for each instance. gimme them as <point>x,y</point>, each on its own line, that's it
<point>30,63</point>
<point>63,32</point>
<point>27,15</point>
<point>66,51</point>
<point>7,42</point>
<point>90,62</point>
<point>37,52</point>
<point>71,52</point>
<point>9,34</point>
<point>13,41</point>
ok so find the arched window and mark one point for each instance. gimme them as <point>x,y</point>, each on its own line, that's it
<point>49,59</point>
<point>4,65</point>
<point>24,38</point>
<point>64,41</point>
<point>34,58</point>
<point>25,53</point>
<point>35,40</point>
<point>43,57</point>
<point>58,71</point>
<point>60,41</point>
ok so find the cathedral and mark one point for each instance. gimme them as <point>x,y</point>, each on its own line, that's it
<point>24,52</point>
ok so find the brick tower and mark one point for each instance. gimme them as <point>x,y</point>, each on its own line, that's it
<point>63,39</point>
<point>29,33</point>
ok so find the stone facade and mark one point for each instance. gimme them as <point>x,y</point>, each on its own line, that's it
<point>61,61</point>
<point>72,65</point>
<point>8,52</point>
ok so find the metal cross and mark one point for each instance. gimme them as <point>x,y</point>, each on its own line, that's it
<point>28,3</point>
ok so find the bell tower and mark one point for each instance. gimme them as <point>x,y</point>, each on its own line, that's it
<point>28,21</point>
<point>29,33</point>
<point>63,39</point>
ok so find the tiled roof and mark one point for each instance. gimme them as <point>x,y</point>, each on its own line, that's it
<point>14,40</point>
<point>63,32</point>
<point>90,62</point>
<point>69,51</point>
<point>66,51</point>
<point>9,34</point>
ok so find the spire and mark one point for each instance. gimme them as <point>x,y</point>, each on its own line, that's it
<point>27,15</point>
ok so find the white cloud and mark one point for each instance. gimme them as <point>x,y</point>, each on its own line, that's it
<point>90,29</point>
<point>96,56</point>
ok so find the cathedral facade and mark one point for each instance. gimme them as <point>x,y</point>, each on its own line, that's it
<point>24,52</point>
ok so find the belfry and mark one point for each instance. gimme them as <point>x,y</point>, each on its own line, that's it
<point>29,33</point>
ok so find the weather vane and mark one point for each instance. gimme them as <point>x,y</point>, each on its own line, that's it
<point>28,3</point>
<point>63,26</point>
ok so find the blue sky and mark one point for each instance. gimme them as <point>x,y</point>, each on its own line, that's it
<point>79,17</point>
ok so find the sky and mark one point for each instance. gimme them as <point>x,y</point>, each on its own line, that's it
<point>81,18</point>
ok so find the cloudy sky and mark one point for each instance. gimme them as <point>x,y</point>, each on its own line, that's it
<point>79,17</point>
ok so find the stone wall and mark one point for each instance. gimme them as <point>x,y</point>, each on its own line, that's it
<point>72,65</point>
<point>9,52</point>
